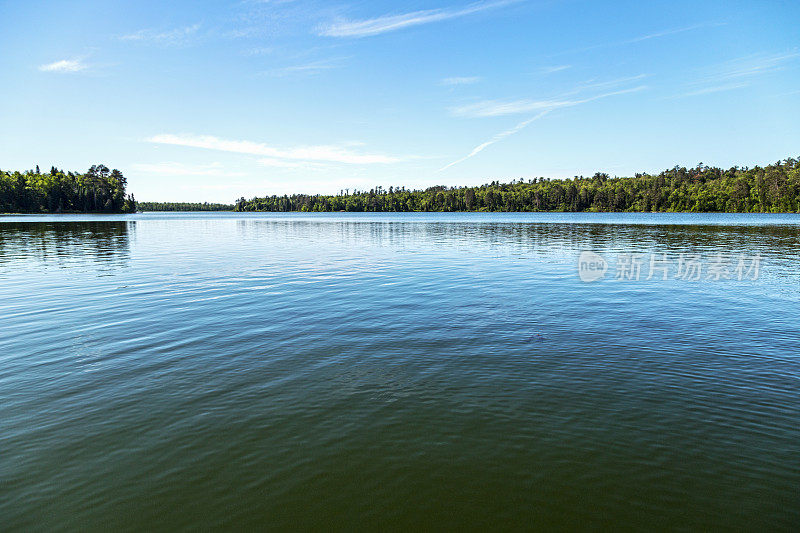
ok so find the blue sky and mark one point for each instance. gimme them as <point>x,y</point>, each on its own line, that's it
<point>200,100</point>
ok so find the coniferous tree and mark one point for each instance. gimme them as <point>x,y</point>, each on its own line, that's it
<point>98,190</point>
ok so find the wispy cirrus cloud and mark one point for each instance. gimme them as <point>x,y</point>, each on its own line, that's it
<point>713,89</point>
<point>64,66</point>
<point>645,37</point>
<point>496,139</point>
<point>174,37</point>
<point>665,33</point>
<point>314,67</point>
<point>497,108</point>
<point>554,68</point>
<point>319,153</point>
<point>259,51</point>
<point>460,80</point>
<point>387,23</point>
<point>753,65</point>
<point>738,73</point>
<point>257,19</point>
<point>601,84</point>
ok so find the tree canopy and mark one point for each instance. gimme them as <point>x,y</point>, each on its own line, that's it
<point>770,189</point>
<point>98,190</point>
<point>183,206</point>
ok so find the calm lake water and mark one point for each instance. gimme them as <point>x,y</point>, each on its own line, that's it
<point>398,371</point>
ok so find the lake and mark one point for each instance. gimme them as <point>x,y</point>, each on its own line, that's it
<point>400,371</point>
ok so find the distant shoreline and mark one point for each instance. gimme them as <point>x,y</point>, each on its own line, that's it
<point>702,189</point>
<point>421,212</point>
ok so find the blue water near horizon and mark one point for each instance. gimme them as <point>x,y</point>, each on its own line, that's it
<point>340,371</point>
<point>714,219</point>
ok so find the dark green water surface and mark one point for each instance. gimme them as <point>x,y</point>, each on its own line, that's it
<point>366,371</point>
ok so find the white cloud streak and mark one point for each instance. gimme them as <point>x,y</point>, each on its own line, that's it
<point>496,139</point>
<point>606,84</point>
<point>646,37</point>
<point>554,68</point>
<point>738,73</point>
<point>668,32</point>
<point>496,108</point>
<point>64,66</point>
<point>460,80</point>
<point>387,23</point>
<point>322,153</point>
<point>752,65</point>
<point>715,89</point>
<point>177,36</point>
<point>493,108</point>
<point>308,69</point>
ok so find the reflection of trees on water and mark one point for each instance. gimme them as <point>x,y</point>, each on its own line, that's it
<point>539,237</point>
<point>554,242</point>
<point>67,243</point>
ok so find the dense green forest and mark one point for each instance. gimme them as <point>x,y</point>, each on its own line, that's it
<point>99,190</point>
<point>770,189</point>
<point>183,206</point>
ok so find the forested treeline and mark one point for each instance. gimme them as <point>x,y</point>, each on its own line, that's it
<point>99,190</point>
<point>774,188</point>
<point>183,206</point>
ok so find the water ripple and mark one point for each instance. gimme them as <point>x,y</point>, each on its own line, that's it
<point>394,372</point>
